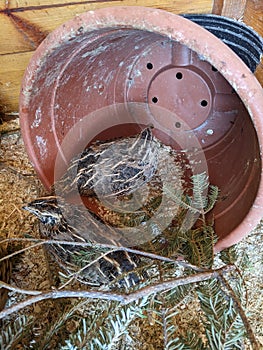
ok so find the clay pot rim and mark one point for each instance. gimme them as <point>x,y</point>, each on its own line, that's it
<point>184,31</point>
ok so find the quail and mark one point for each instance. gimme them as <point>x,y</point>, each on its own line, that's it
<point>62,221</point>
<point>112,168</point>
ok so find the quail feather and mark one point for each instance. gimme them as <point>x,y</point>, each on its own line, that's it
<point>62,221</point>
<point>112,168</point>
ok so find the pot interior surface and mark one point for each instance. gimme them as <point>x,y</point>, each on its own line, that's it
<point>182,96</point>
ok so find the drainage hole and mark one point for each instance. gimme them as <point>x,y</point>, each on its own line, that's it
<point>179,75</point>
<point>154,99</point>
<point>149,65</point>
<point>203,103</point>
<point>178,125</point>
<point>214,69</point>
<point>101,88</point>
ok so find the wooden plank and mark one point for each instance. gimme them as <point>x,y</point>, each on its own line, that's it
<point>24,22</point>
<point>248,11</point>
<point>44,4</point>
<point>12,68</point>
<point>253,17</point>
<point>16,39</point>
<point>217,7</point>
<point>234,9</point>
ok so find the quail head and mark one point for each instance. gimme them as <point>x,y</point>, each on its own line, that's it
<point>113,168</point>
<point>62,221</point>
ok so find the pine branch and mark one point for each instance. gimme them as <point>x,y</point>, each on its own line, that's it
<point>106,332</point>
<point>55,326</point>
<point>213,193</point>
<point>198,247</point>
<point>180,200</point>
<point>239,309</point>
<point>200,201</point>
<point>173,341</point>
<point>200,185</point>
<point>11,334</point>
<point>223,327</point>
<point>168,327</point>
<point>117,325</point>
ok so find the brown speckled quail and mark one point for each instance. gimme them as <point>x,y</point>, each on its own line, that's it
<point>112,168</point>
<point>66,222</point>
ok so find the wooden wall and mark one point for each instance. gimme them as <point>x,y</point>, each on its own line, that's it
<point>25,23</point>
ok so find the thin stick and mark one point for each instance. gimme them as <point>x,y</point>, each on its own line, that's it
<point>122,298</point>
<point>98,245</point>
<point>20,250</point>
<point>240,310</point>
<point>19,290</point>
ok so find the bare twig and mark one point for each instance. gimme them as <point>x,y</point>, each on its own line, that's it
<point>60,294</point>
<point>19,290</point>
<point>88,244</point>
<point>20,250</point>
<point>122,298</point>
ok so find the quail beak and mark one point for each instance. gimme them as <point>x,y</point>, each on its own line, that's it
<point>26,207</point>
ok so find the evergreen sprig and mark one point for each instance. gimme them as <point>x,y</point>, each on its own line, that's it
<point>108,326</point>
<point>223,326</point>
<point>13,332</point>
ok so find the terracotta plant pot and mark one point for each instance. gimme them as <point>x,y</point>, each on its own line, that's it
<point>124,55</point>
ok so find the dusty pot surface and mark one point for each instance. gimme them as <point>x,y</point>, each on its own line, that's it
<point>124,57</point>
